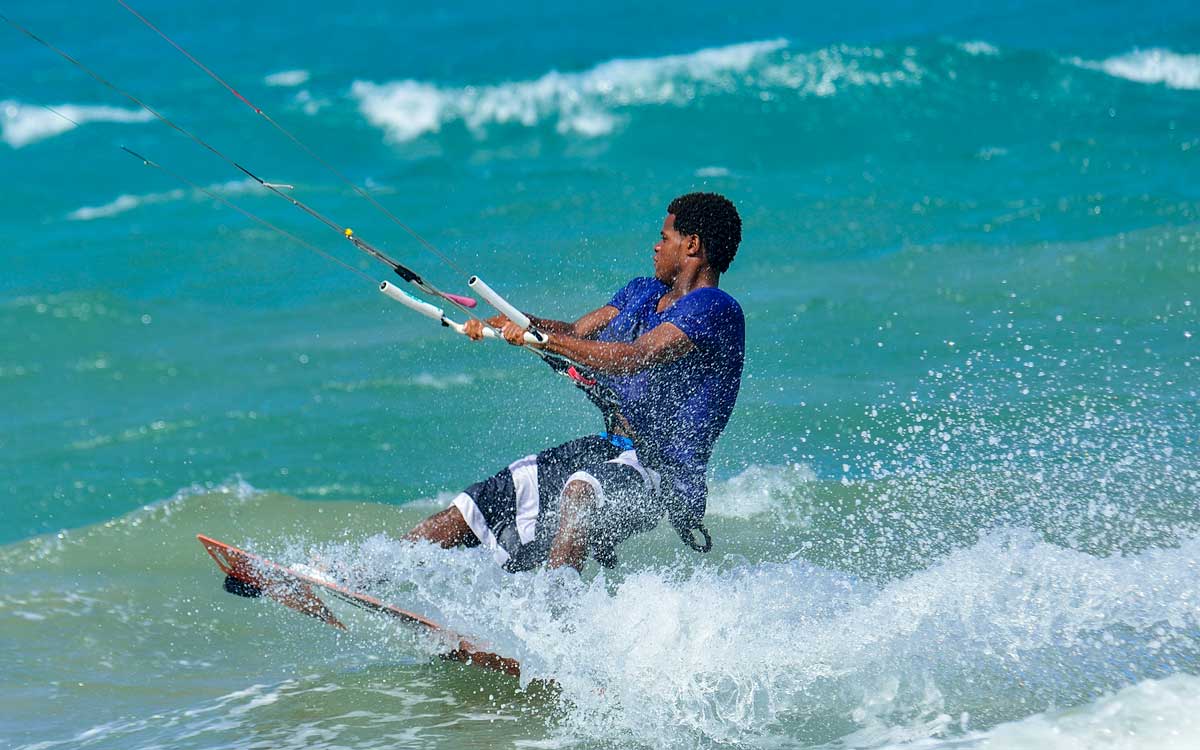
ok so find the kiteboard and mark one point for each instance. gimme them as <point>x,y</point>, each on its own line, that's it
<point>250,575</point>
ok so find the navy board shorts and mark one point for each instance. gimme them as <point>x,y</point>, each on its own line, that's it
<point>515,512</point>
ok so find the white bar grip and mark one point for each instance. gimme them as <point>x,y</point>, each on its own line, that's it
<point>411,302</point>
<point>488,333</point>
<point>431,311</point>
<point>505,308</point>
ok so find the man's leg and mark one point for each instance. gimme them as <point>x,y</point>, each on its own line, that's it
<point>602,506</point>
<point>570,541</point>
<point>445,528</point>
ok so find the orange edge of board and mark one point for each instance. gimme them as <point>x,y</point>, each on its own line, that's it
<point>296,591</point>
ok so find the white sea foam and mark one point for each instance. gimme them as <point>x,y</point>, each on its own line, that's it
<point>421,380</point>
<point>979,48</point>
<point>739,654</point>
<point>722,656</point>
<point>442,382</point>
<point>126,202</point>
<point>122,203</point>
<point>287,78</point>
<point>760,490</point>
<point>1151,715</point>
<point>309,103</point>
<point>22,124</point>
<point>1152,66</point>
<point>590,103</point>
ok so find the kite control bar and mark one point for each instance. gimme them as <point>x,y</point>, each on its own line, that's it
<point>432,311</point>
<point>505,308</point>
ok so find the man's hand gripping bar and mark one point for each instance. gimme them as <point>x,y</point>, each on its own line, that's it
<point>510,312</point>
<point>432,311</point>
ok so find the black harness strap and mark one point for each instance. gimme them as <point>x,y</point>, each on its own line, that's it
<point>602,397</point>
<point>689,538</point>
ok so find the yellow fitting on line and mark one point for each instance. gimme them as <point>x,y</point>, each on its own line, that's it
<point>349,231</point>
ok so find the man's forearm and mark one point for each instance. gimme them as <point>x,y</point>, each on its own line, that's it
<point>610,357</point>
<point>545,325</point>
<point>663,344</point>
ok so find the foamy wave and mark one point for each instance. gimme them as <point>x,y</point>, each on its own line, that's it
<point>1152,715</point>
<point>287,78</point>
<point>979,48</point>
<point>421,380</point>
<point>1152,66</point>
<point>588,103</point>
<point>309,103</point>
<point>716,655</point>
<point>760,490</point>
<point>23,124</point>
<point>125,202</point>
<point>149,431</point>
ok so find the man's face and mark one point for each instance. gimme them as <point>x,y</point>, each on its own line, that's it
<point>669,252</point>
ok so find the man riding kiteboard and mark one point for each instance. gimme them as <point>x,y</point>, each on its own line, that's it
<point>666,353</point>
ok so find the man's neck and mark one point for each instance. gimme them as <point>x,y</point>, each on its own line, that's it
<point>691,279</point>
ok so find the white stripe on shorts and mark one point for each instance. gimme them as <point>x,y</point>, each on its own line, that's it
<point>525,482</point>
<point>583,476</point>
<point>651,477</point>
<point>470,513</point>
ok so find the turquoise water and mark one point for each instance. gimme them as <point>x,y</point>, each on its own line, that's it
<point>956,504</point>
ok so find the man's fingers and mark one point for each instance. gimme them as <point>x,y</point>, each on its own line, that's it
<point>513,333</point>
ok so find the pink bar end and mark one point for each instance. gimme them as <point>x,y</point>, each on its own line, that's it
<point>464,301</point>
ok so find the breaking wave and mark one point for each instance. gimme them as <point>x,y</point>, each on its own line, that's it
<point>751,652</point>
<point>978,48</point>
<point>22,124</point>
<point>1136,714</point>
<point>287,78</point>
<point>723,651</point>
<point>761,490</point>
<point>1152,66</point>
<point>126,202</point>
<point>589,103</point>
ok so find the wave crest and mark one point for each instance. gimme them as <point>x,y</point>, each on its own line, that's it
<point>287,78</point>
<point>741,653</point>
<point>588,103</point>
<point>1152,66</point>
<point>126,202</point>
<point>22,124</point>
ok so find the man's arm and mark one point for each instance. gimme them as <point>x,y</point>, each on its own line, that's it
<point>664,343</point>
<point>584,328</point>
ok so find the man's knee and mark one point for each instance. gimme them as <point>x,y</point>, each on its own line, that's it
<point>577,497</point>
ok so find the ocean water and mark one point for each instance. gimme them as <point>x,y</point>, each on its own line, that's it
<point>958,505</point>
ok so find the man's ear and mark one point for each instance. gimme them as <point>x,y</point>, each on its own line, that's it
<point>694,247</point>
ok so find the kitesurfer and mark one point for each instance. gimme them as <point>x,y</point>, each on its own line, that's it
<point>669,349</point>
